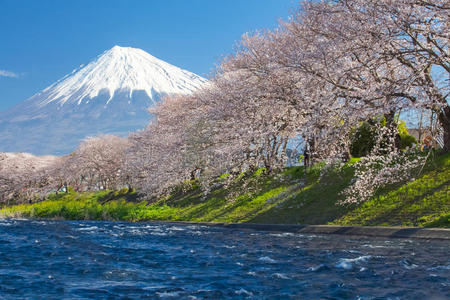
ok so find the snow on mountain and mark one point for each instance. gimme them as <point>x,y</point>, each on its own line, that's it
<point>110,95</point>
<point>121,68</point>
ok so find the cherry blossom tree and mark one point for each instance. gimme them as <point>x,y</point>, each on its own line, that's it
<point>24,176</point>
<point>174,146</point>
<point>98,162</point>
<point>378,56</point>
<point>382,167</point>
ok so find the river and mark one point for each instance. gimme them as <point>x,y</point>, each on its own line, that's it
<point>113,260</point>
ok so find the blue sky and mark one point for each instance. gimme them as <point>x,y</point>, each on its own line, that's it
<point>41,41</point>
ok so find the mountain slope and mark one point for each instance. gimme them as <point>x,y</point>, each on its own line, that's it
<point>110,95</point>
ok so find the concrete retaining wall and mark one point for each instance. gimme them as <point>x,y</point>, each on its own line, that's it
<point>373,231</point>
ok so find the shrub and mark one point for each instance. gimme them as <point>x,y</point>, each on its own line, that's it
<point>362,140</point>
<point>406,140</point>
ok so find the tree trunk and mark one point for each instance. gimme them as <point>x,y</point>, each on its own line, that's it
<point>391,123</point>
<point>194,173</point>
<point>346,156</point>
<point>390,118</point>
<point>444,120</point>
<point>313,153</point>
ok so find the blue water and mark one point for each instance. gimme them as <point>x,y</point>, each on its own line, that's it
<point>110,260</point>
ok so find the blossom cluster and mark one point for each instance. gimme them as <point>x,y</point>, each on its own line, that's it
<point>384,166</point>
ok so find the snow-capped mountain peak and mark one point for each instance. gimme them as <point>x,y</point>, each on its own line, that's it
<point>121,69</point>
<point>109,95</point>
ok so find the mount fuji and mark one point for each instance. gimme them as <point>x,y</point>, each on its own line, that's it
<point>110,95</point>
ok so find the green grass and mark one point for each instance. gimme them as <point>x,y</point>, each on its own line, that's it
<point>294,196</point>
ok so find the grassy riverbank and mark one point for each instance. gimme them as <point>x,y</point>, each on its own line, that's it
<point>295,196</point>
